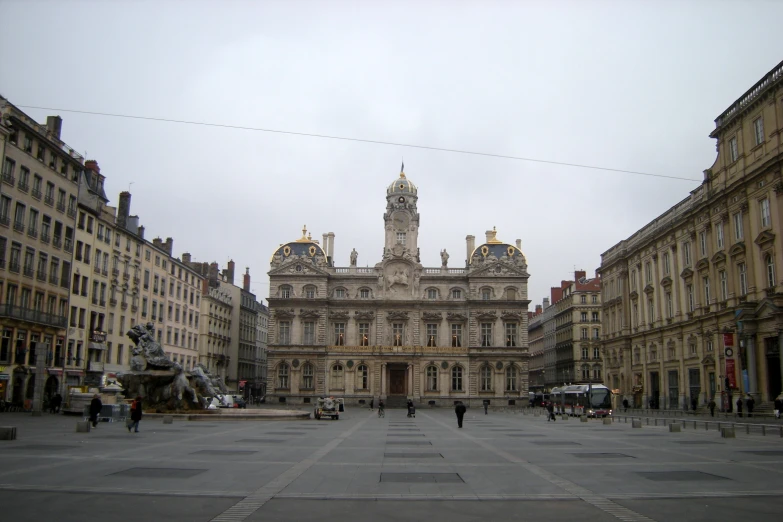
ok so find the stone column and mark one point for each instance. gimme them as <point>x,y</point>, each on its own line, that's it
<point>382,393</point>
<point>40,375</point>
<point>409,375</point>
<point>751,350</point>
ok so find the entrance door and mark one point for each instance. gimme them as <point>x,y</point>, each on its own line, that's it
<point>655,390</point>
<point>774,381</point>
<point>695,385</point>
<point>396,382</point>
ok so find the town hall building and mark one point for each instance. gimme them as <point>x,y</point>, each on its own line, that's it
<point>398,330</point>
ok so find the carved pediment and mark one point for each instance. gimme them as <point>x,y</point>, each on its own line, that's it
<point>309,314</point>
<point>432,316</point>
<point>703,264</point>
<point>487,315</point>
<point>737,249</point>
<point>765,237</point>
<point>284,313</point>
<point>649,289</point>
<point>719,257</point>
<point>298,268</point>
<point>510,315</point>
<point>456,317</point>
<point>687,273</point>
<point>634,295</point>
<point>397,316</point>
<point>366,316</point>
<point>708,361</point>
<point>338,314</point>
<point>666,282</point>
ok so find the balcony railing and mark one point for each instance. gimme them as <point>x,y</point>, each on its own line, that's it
<point>32,316</point>
<point>28,271</point>
<point>10,179</point>
<point>36,193</point>
<point>41,274</point>
<point>61,206</point>
<point>57,242</point>
<point>5,221</point>
<point>69,245</point>
<point>71,212</point>
<point>32,232</point>
<point>19,226</point>
<point>115,272</point>
<point>14,266</point>
<point>53,279</point>
<point>44,236</point>
<point>24,187</point>
<point>49,200</point>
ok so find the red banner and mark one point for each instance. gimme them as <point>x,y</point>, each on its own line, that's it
<point>728,339</point>
<point>730,373</point>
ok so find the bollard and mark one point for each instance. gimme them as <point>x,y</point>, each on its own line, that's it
<point>694,425</point>
<point>82,426</point>
<point>636,423</point>
<point>674,428</point>
<point>168,419</point>
<point>7,432</point>
<point>607,421</point>
<point>582,419</point>
<point>727,433</point>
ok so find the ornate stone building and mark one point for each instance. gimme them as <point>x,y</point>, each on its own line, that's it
<point>398,330</point>
<point>691,304</point>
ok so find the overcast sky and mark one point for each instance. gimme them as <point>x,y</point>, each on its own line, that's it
<point>625,85</point>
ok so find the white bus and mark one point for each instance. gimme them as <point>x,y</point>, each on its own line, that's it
<point>580,400</point>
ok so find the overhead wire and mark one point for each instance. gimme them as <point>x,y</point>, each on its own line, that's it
<point>360,140</point>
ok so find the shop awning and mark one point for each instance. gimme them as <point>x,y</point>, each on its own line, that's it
<point>97,346</point>
<point>74,372</point>
<point>55,371</point>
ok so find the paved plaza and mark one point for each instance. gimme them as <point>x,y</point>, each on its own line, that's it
<point>500,466</point>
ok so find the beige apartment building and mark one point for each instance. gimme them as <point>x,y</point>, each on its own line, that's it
<point>397,329</point>
<point>692,308</point>
<point>38,199</point>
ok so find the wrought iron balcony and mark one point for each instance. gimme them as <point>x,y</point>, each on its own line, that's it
<point>32,316</point>
<point>49,200</point>
<point>57,242</point>
<point>36,193</point>
<point>44,236</point>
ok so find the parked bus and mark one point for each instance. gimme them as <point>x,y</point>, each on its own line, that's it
<point>577,401</point>
<point>538,399</point>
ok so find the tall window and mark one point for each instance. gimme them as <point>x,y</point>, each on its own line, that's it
<point>364,293</point>
<point>758,130</point>
<point>456,293</point>
<point>669,306</point>
<point>743,278</point>
<point>284,336</point>
<point>397,334</point>
<point>309,332</point>
<point>686,253</point>
<point>703,243</point>
<point>724,285</point>
<point>456,378</point>
<point>307,376</point>
<point>282,376</point>
<point>432,335</point>
<point>719,235</point>
<point>432,378</point>
<point>583,316</point>
<point>584,333</point>
<point>633,279</point>
<point>770,272</point>
<point>485,378</point>
<point>585,352</point>
<point>666,264</point>
<point>432,293</point>
<point>733,151</point>
<point>596,352</point>
<point>738,234</point>
<point>689,291</point>
<point>486,334</point>
<point>364,334</point>
<point>486,294</point>
<point>764,209</point>
<point>647,273</point>
<point>456,335</point>
<point>362,377</point>
<point>650,311</point>
<point>310,292</point>
<point>511,334</point>
<point>285,292</point>
<point>339,334</point>
<point>511,378</point>
<point>400,238</point>
<point>706,282</point>
<point>338,377</point>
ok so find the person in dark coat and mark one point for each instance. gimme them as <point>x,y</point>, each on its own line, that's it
<point>751,404</point>
<point>372,404</point>
<point>711,406</point>
<point>135,414</point>
<point>550,408</point>
<point>460,410</point>
<point>486,406</point>
<point>739,407</point>
<point>55,403</point>
<point>411,409</point>
<point>95,409</point>
<point>625,404</point>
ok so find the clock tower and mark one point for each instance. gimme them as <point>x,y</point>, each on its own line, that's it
<point>401,219</point>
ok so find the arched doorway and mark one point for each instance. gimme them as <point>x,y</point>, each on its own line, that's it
<point>30,391</point>
<point>51,387</point>
<point>17,395</point>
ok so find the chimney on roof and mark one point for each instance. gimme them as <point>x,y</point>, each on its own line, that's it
<point>158,243</point>
<point>246,280</point>
<point>539,309</point>
<point>230,272</point>
<point>186,258</point>
<point>579,275</point>
<point>519,245</point>
<point>471,244</point>
<point>490,235</point>
<point>54,124</point>
<point>169,245</point>
<point>123,209</point>
<point>141,232</point>
<point>91,165</point>
<point>546,303</point>
<point>330,253</point>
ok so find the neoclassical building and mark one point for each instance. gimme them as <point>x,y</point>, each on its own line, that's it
<point>398,330</point>
<point>693,302</point>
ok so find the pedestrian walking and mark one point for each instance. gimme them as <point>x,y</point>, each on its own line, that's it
<point>739,407</point>
<point>550,408</point>
<point>95,409</point>
<point>751,403</point>
<point>460,410</point>
<point>372,404</point>
<point>135,415</point>
<point>411,409</point>
<point>625,404</point>
<point>778,405</point>
<point>711,406</point>
<point>55,403</point>
<point>486,407</point>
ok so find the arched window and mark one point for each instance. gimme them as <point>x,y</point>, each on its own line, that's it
<point>310,292</point>
<point>511,378</point>
<point>282,376</point>
<point>286,292</point>
<point>362,377</point>
<point>307,376</point>
<point>585,373</point>
<point>597,373</point>
<point>364,293</point>
<point>485,377</point>
<point>456,378</point>
<point>770,272</point>
<point>432,378</point>
<point>432,293</point>
<point>338,376</point>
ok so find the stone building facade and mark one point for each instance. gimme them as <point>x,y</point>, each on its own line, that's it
<point>398,330</point>
<point>692,304</point>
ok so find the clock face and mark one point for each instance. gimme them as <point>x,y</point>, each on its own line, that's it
<point>401,199</point>
<point>401,220</point>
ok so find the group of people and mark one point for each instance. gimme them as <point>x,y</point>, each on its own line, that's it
<point>96,405</point>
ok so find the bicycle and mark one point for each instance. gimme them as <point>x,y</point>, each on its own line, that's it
<point>381,413</point>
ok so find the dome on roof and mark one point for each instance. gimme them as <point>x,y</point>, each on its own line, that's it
<point>304,247</point>
<point>402,185</point>
<point>494,248</point>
